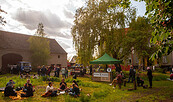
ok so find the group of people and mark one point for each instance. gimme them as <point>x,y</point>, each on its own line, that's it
<point>72,90</point>
<point>28,89</point>
<point>46,70</point>
<point>121,79</point>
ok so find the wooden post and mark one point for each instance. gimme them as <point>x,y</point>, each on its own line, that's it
<point>134,83</point>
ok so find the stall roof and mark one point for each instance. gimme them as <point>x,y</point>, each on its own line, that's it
<point>105,59</point>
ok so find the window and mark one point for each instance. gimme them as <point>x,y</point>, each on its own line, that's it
<point>58,56</point>
<point>164,59</point>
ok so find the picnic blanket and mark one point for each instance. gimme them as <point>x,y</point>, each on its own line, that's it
<point>18,97</point>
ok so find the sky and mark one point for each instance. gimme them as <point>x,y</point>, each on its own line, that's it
<point>57,17</point>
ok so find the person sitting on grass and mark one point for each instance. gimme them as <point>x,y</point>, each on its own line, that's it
<point>117,80</point>
<point>9,89</point>
<point>27,76</point>
<point>114,81</point>
<point>50,91</point>
<point>28,89</point>
<point>35,77</point>
<point>21,76</point>
<point>123,78</point>
<point>139,81</point>
<point>74,91</point>
<point>63,86</point>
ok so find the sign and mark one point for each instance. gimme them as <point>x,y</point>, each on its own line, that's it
<point>108,69</point>
<point>96,75</point>
<point>102,76</point>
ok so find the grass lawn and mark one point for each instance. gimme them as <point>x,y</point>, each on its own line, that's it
<point>100,91</point>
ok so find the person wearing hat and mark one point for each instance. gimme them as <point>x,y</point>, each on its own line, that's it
<point>9,89</point>
<point>150,76</point>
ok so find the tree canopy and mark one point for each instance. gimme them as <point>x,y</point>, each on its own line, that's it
<point>160,13</point>
<point>137,39</point>
<point>39,46</point>
<point>99,28</point>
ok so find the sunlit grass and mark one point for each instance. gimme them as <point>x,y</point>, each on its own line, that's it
<point>99,91</point>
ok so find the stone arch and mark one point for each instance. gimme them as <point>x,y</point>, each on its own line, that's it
<point>11,59</point>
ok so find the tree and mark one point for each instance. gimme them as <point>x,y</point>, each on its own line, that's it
<point>2,20</point>
<point>39,46</point>
<point>98,28</point>
<point>137,39</point>
<point>160,13</point>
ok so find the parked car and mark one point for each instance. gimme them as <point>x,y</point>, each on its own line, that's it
<point>24,66</point>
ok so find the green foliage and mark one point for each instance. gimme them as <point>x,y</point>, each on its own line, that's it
<point>39,46</point>
<point>99,28</point>
<point>161,17</point>
<point>137,39</point>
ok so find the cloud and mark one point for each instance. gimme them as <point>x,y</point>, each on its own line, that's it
<point>52,23</point>
<point>68,14</point>
<point>65,46</point>
<point>32,17</point>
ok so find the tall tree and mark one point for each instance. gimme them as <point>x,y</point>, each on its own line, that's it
<point>138,39</point>
<point>39,46</point>
<point>98,28</point>
<point>160,13</point>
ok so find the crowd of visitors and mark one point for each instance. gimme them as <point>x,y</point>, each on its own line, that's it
<point>46,70</point>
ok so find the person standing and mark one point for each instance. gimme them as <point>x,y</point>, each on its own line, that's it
<point>48,70</point>
<point>133,74</point>
<point>150,76</point>
<point>57,70</point>
<point>66,72</point>
<point>43,71</point>
<point>38,70</point>
<point>63,72</point>
<point>130,73</point>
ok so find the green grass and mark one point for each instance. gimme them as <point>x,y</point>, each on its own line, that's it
<point>99,91</point>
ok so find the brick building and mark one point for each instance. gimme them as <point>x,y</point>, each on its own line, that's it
<point>14,47</point>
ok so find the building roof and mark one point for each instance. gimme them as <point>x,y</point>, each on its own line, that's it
<point>16,41</point>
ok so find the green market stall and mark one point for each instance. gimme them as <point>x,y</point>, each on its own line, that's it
<point>104,76</point>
